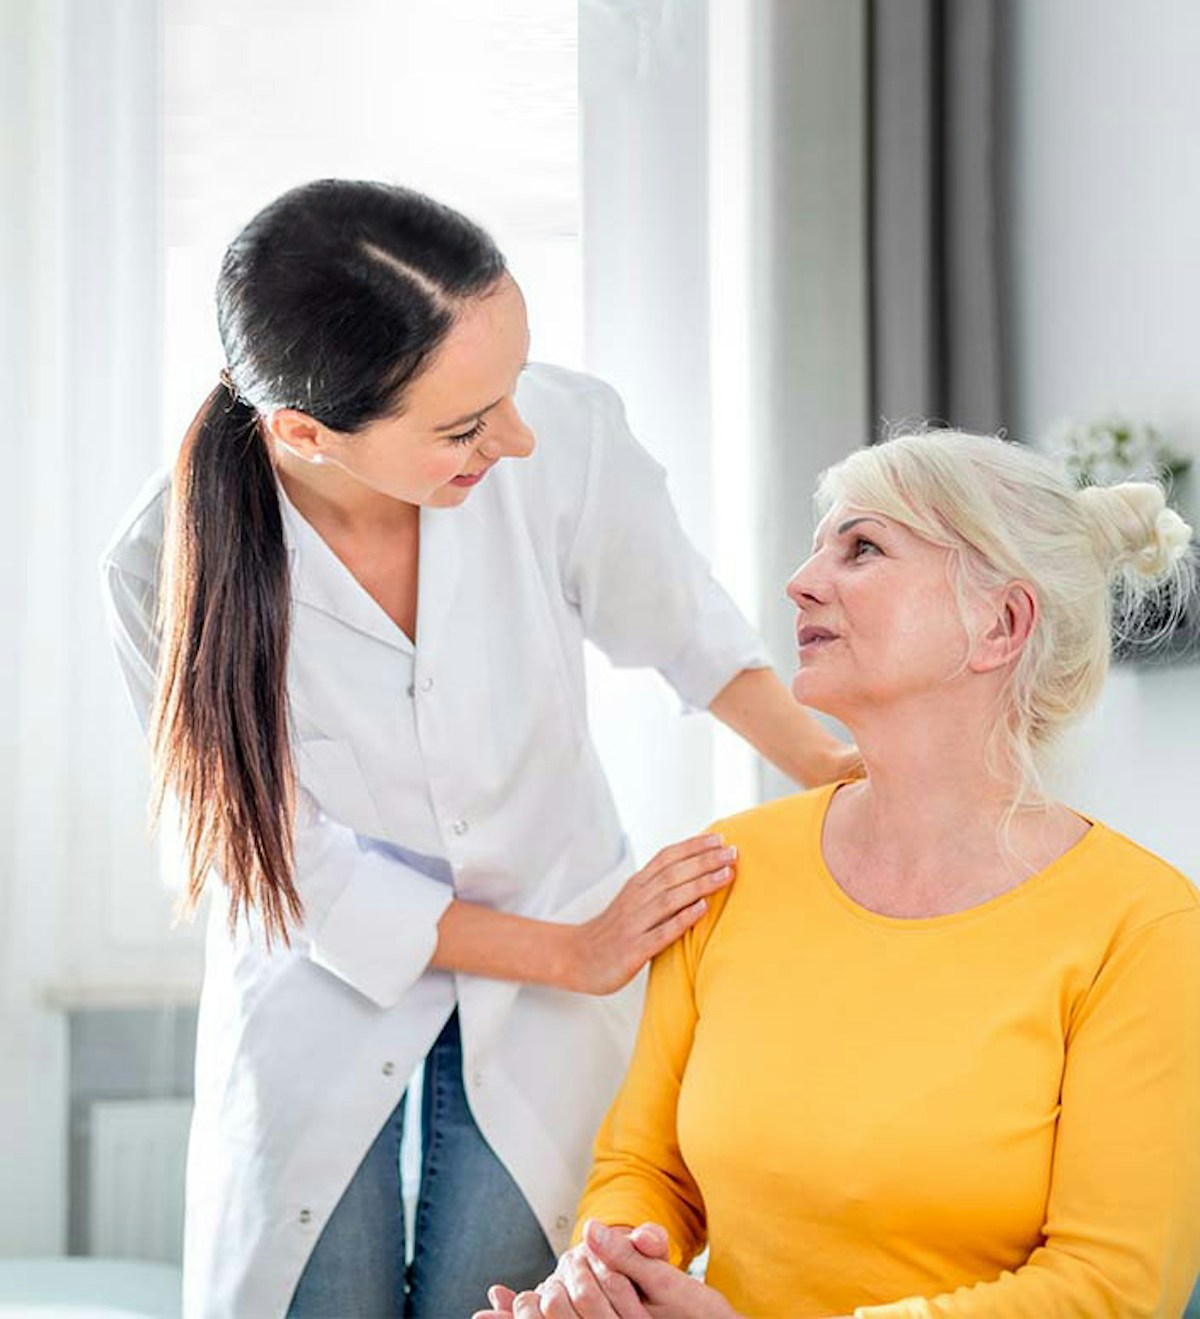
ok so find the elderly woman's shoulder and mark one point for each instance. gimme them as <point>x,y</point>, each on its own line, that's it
<point>1144,885</point>
<point>785,822</point>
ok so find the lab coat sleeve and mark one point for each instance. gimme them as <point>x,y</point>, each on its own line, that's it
<point>646,595</point>
<point>369,918</point>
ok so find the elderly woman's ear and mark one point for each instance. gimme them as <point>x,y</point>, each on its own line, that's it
<point>1011,615</point>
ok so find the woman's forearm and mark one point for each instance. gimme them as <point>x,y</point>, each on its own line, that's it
<point>759,708</point>
<point>653,908</point>
<point>475,940</point>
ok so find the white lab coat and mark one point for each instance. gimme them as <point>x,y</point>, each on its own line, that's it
<point>461,767</point>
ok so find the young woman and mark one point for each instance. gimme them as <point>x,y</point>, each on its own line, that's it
<point>935,1054</point>
<point>353,623</point>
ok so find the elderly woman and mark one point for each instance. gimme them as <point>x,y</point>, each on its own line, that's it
<point>936,1052</point>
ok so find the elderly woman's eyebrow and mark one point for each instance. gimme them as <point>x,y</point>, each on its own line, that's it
<point>819,537</point>
<point>845,527</point>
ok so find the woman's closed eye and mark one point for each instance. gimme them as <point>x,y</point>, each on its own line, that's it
<point>465,437</point>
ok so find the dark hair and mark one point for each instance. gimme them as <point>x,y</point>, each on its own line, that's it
<point>331,301</point>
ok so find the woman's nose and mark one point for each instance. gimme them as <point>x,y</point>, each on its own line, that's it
<point>508,436</point>
<point>804,586</point>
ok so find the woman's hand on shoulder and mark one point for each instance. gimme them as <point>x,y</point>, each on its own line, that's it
<point>657,904</point>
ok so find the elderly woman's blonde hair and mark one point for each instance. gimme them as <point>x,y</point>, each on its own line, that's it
<point>1100,561</point>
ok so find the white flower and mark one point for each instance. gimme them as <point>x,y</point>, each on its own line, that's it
<point>1113,449</point>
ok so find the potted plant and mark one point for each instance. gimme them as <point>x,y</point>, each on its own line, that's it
<point>1113,449</point>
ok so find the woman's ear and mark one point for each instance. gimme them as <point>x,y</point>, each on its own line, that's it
<point>299,433</point>
<point>1013,615</point>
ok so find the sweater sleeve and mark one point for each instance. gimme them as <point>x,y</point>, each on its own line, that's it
<point>1122,1230</point>
<point>645,593</point>
<point>638,1173</point>
<point>369,918</point>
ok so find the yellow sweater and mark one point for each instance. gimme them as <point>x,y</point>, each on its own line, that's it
<point>996,1110</point>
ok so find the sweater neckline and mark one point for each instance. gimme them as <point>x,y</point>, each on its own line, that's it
<point>1064,862</point>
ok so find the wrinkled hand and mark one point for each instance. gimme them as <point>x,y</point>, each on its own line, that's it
<point>653,909</point>
<point>614,1273</point>
<point>638,1281</point>
<point>572,1270</point>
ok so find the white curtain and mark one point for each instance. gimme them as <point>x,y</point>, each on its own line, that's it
<point>84,917</point>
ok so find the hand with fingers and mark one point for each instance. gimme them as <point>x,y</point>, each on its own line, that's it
<point>633,1271</point>
<point>614,1273</point>
<point>573,1291</point>
<point>653,909</point>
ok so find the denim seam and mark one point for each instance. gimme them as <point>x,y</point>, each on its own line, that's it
<point>432,1142</point>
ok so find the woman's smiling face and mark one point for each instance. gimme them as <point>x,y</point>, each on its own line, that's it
<point>459,416</point>
<point>878,616</point>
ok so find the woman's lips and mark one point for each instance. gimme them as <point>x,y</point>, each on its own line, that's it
<point>812,638</point>
<point>473,479</point>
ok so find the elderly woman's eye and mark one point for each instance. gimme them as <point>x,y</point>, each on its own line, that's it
<point>861,543</point>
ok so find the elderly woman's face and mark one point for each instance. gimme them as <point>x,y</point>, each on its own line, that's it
<point>878,619</point>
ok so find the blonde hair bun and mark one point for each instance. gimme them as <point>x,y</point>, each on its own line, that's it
<point>1132,528</point>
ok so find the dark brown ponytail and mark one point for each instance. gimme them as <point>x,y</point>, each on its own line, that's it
<point>330,301</point>
<point>220,726</point>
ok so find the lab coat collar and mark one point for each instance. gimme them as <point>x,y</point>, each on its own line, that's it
<point>321,581</point>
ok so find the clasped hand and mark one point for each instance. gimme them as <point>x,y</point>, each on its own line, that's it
<point>614,1273</point>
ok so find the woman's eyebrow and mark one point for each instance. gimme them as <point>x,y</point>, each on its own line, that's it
<point>818,539</point>
<point>845,527</point>
<point>471,416</point>
<point>474,416</point>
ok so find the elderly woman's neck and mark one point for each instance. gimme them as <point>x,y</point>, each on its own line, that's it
<point>929,786</point>
<point>922,834</point>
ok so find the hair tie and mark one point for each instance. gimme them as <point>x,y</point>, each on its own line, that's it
<point>227,381</point>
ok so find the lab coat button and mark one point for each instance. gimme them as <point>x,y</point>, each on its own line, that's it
<point>563,1222</point>
<point>427,684</point>
<point>412,691</point>
<point>460,827</point>
<point>305,1216</point>
<point>477,1079</point>
<point>388,1068</point>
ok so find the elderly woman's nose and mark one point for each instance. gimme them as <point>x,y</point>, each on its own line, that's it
<point>805,585</point>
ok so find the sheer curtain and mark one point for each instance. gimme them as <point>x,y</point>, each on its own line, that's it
<point>32,1040</point>
<point>79,326</point>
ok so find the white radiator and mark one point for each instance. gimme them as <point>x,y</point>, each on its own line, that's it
<point>135,1198</point>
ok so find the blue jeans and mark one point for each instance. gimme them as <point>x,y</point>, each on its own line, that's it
<point>473,1226</point>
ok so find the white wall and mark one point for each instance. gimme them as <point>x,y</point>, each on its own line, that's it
<point>1105,264</point>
